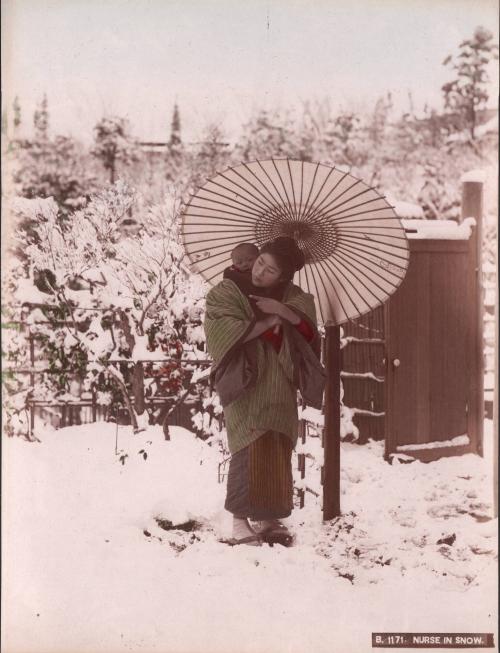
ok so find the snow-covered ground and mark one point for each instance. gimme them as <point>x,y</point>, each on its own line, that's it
<point>87,568</point>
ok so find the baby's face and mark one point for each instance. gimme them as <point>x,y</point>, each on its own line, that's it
<point>244,260</point>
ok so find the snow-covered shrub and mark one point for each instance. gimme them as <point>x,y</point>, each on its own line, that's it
<point>207,421</point>
<point>111,302</point>
<point>15,388</point>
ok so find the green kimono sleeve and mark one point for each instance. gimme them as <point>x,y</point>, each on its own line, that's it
<point>228,320</point>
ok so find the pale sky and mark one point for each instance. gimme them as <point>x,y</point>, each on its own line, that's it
<point>219,59</point>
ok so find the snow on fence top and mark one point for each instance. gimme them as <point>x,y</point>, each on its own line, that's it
<point>407,209</point>
<point>459,440</point>
<point>439,229</point>
<point>478,176</point>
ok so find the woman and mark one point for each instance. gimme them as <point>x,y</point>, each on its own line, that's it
<point>261,336</point>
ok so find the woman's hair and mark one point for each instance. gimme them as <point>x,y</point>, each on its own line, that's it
<point>287,253</point>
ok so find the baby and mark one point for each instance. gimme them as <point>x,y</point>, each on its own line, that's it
<point>243,257</point>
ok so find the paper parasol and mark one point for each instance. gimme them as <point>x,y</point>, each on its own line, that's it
<point>355,246</point>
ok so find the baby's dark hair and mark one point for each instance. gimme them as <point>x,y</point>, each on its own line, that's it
<point>249,246</point>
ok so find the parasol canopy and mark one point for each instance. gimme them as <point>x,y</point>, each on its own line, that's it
<point>355,246</point>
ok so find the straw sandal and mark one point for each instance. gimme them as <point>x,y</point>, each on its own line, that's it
<point>252,538</point>
<point>233,541</point>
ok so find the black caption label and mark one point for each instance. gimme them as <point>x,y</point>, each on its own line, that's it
<point>432,640</point>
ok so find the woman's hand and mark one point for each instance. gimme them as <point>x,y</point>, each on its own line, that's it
<point>273,306</point>
<point>268,305</point>
<point>273,321</point>
<point>264,324</point>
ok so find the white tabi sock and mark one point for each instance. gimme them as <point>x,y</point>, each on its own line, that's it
<point>241,529</point>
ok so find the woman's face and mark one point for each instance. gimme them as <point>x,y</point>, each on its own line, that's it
<point>265,271</point>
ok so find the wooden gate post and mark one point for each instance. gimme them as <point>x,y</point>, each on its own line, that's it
<point>472,206</point>
<point>495,416</point>
<point>331,433</point>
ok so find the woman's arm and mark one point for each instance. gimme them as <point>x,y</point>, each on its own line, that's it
<point>289,315</point>
<point>305,329</point>
<point>274,307</point>
<point>262,325</point>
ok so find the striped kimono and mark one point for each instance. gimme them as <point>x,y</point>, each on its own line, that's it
<point>262,424</point>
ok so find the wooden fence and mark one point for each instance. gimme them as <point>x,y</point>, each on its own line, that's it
<point>413,369</point>
<point>363,373</point>
<point>84,408</point>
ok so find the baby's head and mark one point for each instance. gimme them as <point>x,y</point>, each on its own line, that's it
<point>244,255</point>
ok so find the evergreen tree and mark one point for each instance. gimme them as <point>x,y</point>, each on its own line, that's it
<point>113,143</point>
<point>175,149</point>
<point>41,119</point>
<point>467,94</point>
<point>175,131</point>
<point>16,107</point>
<point>212,156</point>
